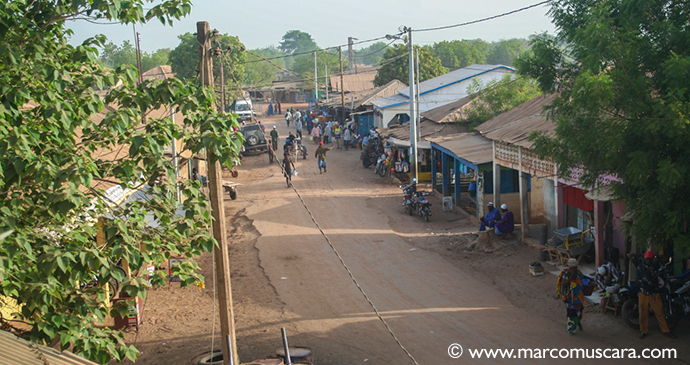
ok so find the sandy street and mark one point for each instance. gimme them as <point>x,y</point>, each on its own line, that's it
<point>430,291</point>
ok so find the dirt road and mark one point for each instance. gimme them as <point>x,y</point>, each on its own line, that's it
<point>430,292</point>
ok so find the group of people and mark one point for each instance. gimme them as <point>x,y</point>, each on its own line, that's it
<point>274,107</point>
<point>570,289</point>
<point>503,222</point>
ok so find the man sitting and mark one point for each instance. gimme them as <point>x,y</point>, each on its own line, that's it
<point>288,141</point>
<point>489,220</point>
<point>607,275</point>
<point>507,224</point>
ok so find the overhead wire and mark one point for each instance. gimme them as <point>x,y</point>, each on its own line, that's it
<point>483,19</point>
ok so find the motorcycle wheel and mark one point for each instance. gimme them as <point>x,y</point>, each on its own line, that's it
<point>408,208</point>
<point>631,313</point>
<point>382,170</point>
<point>426,216</point>
<point>366,161</point>
<point>304,154</point>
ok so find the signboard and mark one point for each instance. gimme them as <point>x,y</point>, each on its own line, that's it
<point>447,203</point>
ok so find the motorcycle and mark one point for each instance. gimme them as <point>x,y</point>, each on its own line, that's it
<point>371,152</point>
<point>408,201</point>
<point>381,165</point>
<point>423,205</point>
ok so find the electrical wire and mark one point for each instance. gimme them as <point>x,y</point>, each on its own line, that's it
<point>484,19</point>
<point>342,262</point>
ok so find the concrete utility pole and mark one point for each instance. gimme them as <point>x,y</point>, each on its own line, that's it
<point>227,322</point>
<point>413,114</point>
<point>342,86</point>
<point>350,54</point>
<point>316,82</point>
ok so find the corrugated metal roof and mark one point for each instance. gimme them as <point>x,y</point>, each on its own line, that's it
<point>16,351</point>
<point>454,77</point>
<point>386,90</point>
<point>517,133</point>
<point>390,101</point>
<point>526,109</point>
<point>427,129</point>
<point>159,72</point>
<point>354,83</point>
<point>472,147</point>
<point>448,113</point>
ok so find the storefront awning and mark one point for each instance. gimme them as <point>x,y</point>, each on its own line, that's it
<point>425,145</point>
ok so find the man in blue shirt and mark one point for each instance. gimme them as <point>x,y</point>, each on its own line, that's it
<point>489,220</point>
<point>507,224</point>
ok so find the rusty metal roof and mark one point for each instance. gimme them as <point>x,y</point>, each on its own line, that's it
<point>159,72</point>
<point>472,147</point>
<point>529,108</point>
<point>15,351</point>
<point>427,130</point>
<point>353,83</point>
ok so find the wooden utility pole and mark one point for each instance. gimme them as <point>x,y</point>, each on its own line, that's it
<point>220,253</point>
<point>342,85</point>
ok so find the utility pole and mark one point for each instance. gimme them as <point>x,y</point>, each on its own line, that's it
<point>325,70</point>
<point>220,253</point>
<point>350,54</point>
<point>342,86</point>
<point>413,114</point>
<point>138,54</point>
<point>316,82</point>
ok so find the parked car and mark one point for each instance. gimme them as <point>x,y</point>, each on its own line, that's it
<point>254,138</point>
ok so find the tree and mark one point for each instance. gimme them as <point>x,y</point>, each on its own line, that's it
<point>623,106</point>
<point>371,55</point>
<point>506,51</point>
<point>498,96</point>
<point>62,146</point>
<point>396,65</point>
<point>116,56</point>
<point>259,72</point>
<point>295,41</point>
<point>155,59</point>
<point>184,60</point>
<point>458,54</point>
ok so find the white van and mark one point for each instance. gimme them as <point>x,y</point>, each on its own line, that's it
<point>243,108</point>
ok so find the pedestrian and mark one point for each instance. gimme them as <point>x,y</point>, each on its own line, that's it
<point>298,127</point>
<point>288,116</point>
<point>316,134</point>
<point>196,176</point>
<point>288,167</point>
<point>571,290</point>
<point>297,116</point>
<point>347,137</point>
<point>327,133</point>
<point>309,123</point>
<point>507,223</point>
<point>337,134</point>
<point>648,284</point>
<point>321,156</point>
<point>489,220</point>
<point>280,110</point>
<point>270,108</point>
<point>275,136</point>
<point>356,140</point>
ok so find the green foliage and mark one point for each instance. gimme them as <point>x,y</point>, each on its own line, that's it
<point>304,66</point>
<point>371,55</point>
<point>260,73</point>
<point>497,96</point>
<point>458,54</point>
<point>295,41</point>
<point>505,52</point>
<point>184,60</point>
<point>126,55</point>
<point>623,105</point>
<point>62,146</point>
<point>396,65</point>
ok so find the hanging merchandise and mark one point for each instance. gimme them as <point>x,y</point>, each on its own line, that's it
<point>398,167</point>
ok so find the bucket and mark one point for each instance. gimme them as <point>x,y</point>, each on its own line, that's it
<point>268,361</point>
<point>297,354</point>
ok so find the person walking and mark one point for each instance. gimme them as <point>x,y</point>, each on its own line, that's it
<point>327,131</point>
<point>288,116</point>
<point>270,108</point>
<point>288,167</point>
<point>321,156</point>
<point>648,283</point>
<point>571,290</point>
<point>298,127</point>
<point>347,138</point>
<point>280,110</point>
<point>275,136</point>
<point>337,133</point>
<point>316,134</point>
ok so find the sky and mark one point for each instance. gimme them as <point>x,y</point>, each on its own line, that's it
<point>262,23</point>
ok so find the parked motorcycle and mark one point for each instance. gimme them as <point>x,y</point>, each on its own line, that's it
<point>381,165</point>
<point>371,152</point>
<point>409,201</point>
<point>423,205</point>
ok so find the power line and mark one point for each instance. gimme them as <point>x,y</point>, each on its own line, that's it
<point>484,19</point>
